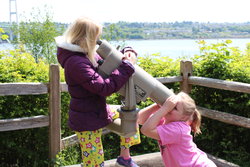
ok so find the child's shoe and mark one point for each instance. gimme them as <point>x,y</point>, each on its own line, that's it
<point>120,162</point>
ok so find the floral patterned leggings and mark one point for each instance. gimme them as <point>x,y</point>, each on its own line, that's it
<point>91,145</point>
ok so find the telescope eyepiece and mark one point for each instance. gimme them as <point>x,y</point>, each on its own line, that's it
<point>100,62</point>
<point>99,42</point>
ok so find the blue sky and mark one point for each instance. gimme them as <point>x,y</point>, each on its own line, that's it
<point>136,10</point>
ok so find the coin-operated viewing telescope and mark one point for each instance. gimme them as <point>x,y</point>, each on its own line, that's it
<point>139,87</point>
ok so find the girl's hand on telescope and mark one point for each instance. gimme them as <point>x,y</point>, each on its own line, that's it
<point>130,56</point>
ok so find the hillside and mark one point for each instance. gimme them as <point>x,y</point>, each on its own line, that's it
<point>164,30</point>
<point>178,30</point>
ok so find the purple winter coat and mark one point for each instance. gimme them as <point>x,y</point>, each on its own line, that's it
<point>88,110</point>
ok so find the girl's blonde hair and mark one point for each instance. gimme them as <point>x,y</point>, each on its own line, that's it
<point>84,32</point>
<point>189,109</point>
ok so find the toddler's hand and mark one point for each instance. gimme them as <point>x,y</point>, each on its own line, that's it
<point>170,103</point>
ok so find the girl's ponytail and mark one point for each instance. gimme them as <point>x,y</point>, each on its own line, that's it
<point>196,122</point>
<point>190,110</point>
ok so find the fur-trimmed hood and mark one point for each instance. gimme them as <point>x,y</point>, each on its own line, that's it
<point>61,42</point>
<point>66,50</point>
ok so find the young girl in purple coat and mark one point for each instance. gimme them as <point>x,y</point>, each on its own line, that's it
<point>171,124</point>
<point>88,111</point>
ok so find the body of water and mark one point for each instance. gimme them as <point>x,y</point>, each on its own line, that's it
<point>174,48</point>
<point>5,46</point>
<point>179,47</point>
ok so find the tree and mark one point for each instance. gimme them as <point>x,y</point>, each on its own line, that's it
<point>112,32</point>
<point>37,35</point>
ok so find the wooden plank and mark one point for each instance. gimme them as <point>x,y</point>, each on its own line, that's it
<point>221,162</point>
<point>64,87</point>
<point>155,160</point>
<point>54,111</point>
<point>144,160</point>
<point>69,141</point>
<point>169,79</point>
<point>220,84</point>
<point>225,117</point>
<point>24,123</point>
<point>23,89</point>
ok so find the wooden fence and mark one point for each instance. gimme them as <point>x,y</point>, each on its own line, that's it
<point>54,89</point>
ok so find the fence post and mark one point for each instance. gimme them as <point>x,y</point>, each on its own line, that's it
<point>54,111</point>
<point>186,69</point>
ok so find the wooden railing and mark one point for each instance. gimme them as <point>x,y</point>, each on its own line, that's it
<point>53,120</point>
<point>54,89</point>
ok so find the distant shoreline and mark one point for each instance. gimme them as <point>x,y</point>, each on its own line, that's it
<point>5,42</point>
<point>186,39</point>
<point>226,38</point>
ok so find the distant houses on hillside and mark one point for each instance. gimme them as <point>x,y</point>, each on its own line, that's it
<point>164,30</point>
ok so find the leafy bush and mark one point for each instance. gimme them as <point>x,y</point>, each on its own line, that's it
<point>27,147</point>
<point>68,156</point>
<point>220,61</point>
<point>22,147</point>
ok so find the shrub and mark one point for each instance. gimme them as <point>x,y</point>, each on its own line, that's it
<point>27,147</point>
<point>220,61</point>
<point>22,147</point>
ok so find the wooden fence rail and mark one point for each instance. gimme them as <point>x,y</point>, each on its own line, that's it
<point>220,84</point>
<point>54,89</point>
<point>24,123</point>
<point>23,89</point>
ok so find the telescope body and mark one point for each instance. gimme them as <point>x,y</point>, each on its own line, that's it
<point>142,86</point>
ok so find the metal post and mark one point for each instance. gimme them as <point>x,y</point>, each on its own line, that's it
<point>13,14</point>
